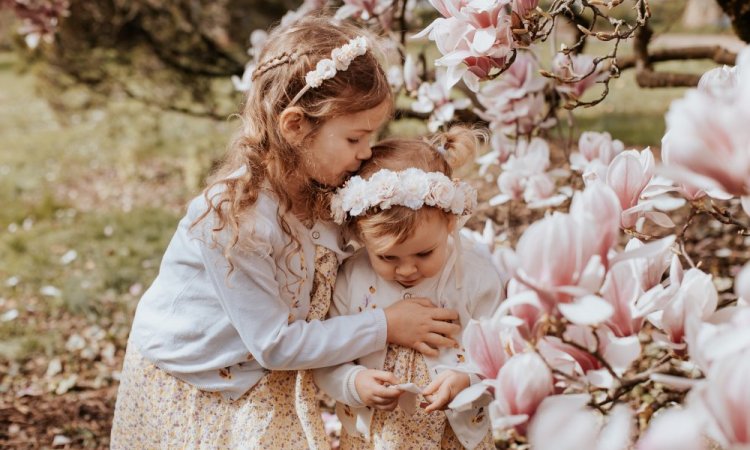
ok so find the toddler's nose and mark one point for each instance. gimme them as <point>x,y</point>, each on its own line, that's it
<point>406,270</point>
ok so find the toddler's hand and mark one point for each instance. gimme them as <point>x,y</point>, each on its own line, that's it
<point>373,389</point>
<point>418,324</point>
<point>444,388</point>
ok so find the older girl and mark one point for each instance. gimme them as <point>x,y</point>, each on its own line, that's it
<point>218,337</point>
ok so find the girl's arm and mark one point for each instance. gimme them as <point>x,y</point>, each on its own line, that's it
<point>250,299</point>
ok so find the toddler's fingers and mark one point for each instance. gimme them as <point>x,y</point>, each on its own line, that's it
<point>387,392</point>
<point>439,400</point>
<point>385,377</point>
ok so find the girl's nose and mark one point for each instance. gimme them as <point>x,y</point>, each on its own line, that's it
<point>364,152</point>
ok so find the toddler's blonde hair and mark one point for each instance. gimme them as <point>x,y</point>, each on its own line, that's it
<point>442,152</point>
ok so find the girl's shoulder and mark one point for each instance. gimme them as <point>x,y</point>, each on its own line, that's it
<point>259,223</point>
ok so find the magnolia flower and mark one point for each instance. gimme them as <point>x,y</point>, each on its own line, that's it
<point>671,429</point>
<point>709,135</point>
<point>594,146</point>
<point>564,422</point>
<point>434,98</point>
<point>690,295</point>
<point>575,74</point>
<point>726,399</point>
<point>521,385</point>
<point>364,9</point>
<point>523,7</point>
<point>474,38</point>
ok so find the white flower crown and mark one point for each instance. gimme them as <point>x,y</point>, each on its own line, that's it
<point>341,57</point>
<point>412,188</point>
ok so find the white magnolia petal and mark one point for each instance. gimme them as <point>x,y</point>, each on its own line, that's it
<point>588,310</point>
<point>464,400</point>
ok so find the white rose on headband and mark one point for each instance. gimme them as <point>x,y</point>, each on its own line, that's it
<point>324,70</point>
<point>383,185</point>
<point>356,200</point>
<point>344,55</point>
<point>415,187</point>
<point>441,194</point>
<point>459,202</point>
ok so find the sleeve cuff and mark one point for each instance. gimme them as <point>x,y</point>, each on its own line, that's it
<point>381,327</point>
<point>351,388</point>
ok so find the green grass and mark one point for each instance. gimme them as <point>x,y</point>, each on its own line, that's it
<point>109,185</point>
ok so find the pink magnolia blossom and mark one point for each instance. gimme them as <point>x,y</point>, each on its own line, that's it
<point>672,429</point>
<point>595,147</point>
<point>692,296</point>
<point>742,284</point>
<point>524,7</point>
<point>524,177</point>
<point>599,207</point>
<point>521,385</point>
<point>619,352</point>
<point>629,173</point>
<point>564,422</point>
<point>708,132</point>
<point>725,334</point>
<point>474,38</point>
<point>513,103</point>
<point>576,74</point>
<point>364,9</point>
<point>482,340</point>
<point>434,98</point>
<point>726,399</point>
<point>684,186</point>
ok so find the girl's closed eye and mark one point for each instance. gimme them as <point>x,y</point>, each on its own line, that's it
<point>353,140</point>
<point>387,257</point>
<point>425,254</point>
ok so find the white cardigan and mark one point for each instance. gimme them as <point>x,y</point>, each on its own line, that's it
<point>358,288</point>
<point>223,332</point>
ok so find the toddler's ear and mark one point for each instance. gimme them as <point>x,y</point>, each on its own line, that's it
<point>452,222</point>
<point>294,125</point>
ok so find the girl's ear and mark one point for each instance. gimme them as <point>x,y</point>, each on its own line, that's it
<point>294,125</point>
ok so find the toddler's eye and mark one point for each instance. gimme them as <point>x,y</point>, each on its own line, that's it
<point>353,140</point>
<point>387,257</point>
<point>425,254</point>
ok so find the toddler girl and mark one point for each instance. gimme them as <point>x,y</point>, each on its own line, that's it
<point>406,211</point>
<point>219,336</point>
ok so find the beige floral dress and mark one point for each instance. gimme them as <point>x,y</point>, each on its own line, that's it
<point>156,410</point>
<point>399,430</point>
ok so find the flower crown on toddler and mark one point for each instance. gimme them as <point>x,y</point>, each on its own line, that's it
<point>412,188</point>
<point>326,69</point>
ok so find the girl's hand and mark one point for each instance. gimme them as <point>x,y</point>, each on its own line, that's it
<point>416,323</point>
<point>372,387</point>
<point>444,388</point>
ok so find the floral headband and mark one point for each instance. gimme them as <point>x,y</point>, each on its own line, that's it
<point>412,188</point>
<point>341,57</point>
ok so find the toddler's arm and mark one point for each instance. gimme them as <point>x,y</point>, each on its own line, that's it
<point>357,386</point>
<point>444,388</point>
